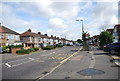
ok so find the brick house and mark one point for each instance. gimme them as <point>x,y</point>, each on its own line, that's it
<point>116,33</point>
<point>9,37</point>
<point>30,39</point>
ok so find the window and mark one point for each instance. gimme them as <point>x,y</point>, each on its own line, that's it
<point>39,39</point>
<point>10,36</point>
<point>2,36</point>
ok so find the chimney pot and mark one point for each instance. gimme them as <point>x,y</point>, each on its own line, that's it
<point>39,32</point>
<point>29,30</point>
<point>45,34</point>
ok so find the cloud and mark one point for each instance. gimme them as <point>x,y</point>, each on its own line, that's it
<point>59,17</point>
<point>57,23</point>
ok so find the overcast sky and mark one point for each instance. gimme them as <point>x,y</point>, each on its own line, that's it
<point>59,17</point>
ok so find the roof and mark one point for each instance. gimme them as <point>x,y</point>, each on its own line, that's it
<point>110,30</point>
<point>1,30</point>
<point>117,27</point>
<point>4,29</point>
<point>27,33</point>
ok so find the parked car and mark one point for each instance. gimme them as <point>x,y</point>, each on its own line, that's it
<point>112,48</point>
<point>1,50</point>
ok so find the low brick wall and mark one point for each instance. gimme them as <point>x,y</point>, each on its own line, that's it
<point>13,50</point>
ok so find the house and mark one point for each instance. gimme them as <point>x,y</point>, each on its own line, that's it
<point>9,37</point>
<point>94,40</point>
<point>110,30</point>
<point>116,33</point>
<point>61,41</point>
<point>51,40</point>
<point>30,39</point>
<point>45,39</point>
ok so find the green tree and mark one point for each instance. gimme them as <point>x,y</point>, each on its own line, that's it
<point>79,40</point>
<point>105,38</point>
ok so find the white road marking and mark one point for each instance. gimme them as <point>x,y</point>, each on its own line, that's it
<point>8,65</point>
<point>16,60</point>
<point>49,54</point>
<point>21,63</point>
<point>31,59</point>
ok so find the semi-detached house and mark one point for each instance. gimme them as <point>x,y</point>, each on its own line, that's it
<point>9,37</point>
<point>30,39</point>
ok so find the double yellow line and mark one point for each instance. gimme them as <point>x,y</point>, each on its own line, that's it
<point>63,61</point>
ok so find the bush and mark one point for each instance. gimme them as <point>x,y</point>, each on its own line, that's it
<point>36,49</point>
<point>31,50</point>
<point>59,45</point>
<point>48,48</point>
<point>23,51</point>
<point>16,46</point>
<point>6,49</point>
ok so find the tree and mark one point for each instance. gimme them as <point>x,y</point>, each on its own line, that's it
<point>105,38</point>
<point>79,40</point>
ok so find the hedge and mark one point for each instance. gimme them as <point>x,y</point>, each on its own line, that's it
<point>23,51</point>
<point>31,50</point>
<point>36,49</point>
<point>48,48</point>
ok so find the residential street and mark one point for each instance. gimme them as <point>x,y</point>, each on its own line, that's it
<point>56,64</point>
<point>96,59</point>
<point>36,65</point>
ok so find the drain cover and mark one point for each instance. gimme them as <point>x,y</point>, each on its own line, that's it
<point>90,72</point>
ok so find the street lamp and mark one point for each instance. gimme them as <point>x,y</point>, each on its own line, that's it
<point>82,24</point>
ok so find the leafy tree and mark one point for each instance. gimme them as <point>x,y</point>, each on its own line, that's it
<point>105,38</point>
<point>79,40</point>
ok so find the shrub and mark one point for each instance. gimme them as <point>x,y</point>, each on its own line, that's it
<point>48,48</point>
<point>7,49</point>
<point>59,45</point>
<point>36,49</point>
<point>16,46</point>
<point>23,51</point>
<point>31,50</point>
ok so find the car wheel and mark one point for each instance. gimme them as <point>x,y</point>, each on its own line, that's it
<point>112,51</point>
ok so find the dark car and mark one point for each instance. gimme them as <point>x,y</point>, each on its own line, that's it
<point>1,50</point>
<point>112,48</point>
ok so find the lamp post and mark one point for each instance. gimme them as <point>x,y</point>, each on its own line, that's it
<point>82,27</point>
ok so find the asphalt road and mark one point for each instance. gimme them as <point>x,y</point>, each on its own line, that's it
<point>36,65</point>
<point>85,61</point>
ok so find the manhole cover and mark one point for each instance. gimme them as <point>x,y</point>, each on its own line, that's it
<point>45,72</point>
<point>67,77</point>
<point>90,72</point>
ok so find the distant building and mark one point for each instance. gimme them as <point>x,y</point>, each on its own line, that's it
<point>116,33</point>
<point>110,30</point>
<point>9,37</point>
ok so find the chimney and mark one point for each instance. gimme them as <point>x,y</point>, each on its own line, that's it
<point>39,32</point>
<point>45,34</point>
<point>29,30</point>
<point>51,35</point>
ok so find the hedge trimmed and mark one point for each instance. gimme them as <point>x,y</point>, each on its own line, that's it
<point>48,48</point>
<point>31,50</point>
<point>23,51</point>
<point>36,49</point>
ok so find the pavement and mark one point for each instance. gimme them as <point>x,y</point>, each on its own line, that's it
<point>116,59</point>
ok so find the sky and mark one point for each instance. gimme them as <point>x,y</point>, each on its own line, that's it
<point>58,18</point>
